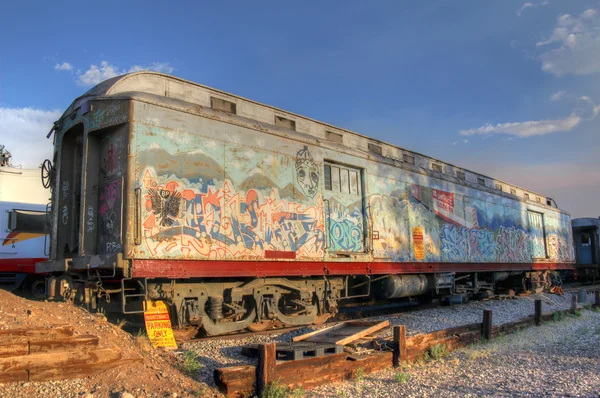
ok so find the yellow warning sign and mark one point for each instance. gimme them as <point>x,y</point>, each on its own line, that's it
<point>158,325</point>
<point>418,243</point>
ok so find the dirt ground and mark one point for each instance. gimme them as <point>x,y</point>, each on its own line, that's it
<point>159,373</point>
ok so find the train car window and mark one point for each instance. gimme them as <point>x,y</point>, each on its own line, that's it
<point>538,199</point>
<point>548,202</point>
<point>513,191</point>
<point>436,167</point>
<point>499,187</point>
<point>354,188</point>
<point>480,181</point>
<point>585,239</point>
<point>27,221</point>
<point>342,179</point>
<point>327,177</point>
<point>408,158</point>
<point>526,196</point>
<point>335,179</point>
<point>460,175</point>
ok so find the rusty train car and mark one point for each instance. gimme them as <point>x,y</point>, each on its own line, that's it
<point>240,215</point>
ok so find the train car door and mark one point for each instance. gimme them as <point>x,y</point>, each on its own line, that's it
<point>585,248</point>
<point>344,209</point>
<point>538,234</point>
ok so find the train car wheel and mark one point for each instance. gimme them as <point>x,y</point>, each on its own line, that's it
<point>260,326</point>
<point>37,288</point>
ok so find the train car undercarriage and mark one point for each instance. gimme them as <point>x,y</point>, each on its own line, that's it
<point>223,306</point>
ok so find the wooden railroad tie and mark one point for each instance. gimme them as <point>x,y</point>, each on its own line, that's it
<point>40,354</point>
<point>317,370</point>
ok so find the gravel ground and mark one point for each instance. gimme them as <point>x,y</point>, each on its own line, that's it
<point>555,359</point>
<point>219,353</point>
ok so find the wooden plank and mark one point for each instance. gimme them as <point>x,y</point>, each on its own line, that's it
<point>14,376</point>
<point>308,373</point>
<point>265,370</point>
<point>510,327</point>
<point>59,331</point>
<point>487,324</point>
<point>78,371</point>
<point>399,345</point>
<point>449,342</point>
<point>538,312</point>
<point>343,333</point>
<point>470,337</point>
<point>424,337</point>
<point>58,359</point>
<point>14,349</point>
<point>364,332</point>
<point>316,332</point>
<point>77,343</point>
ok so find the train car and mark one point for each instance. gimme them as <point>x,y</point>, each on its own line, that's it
<point>23,217</point>
<point>241,215</point>
<point>586,235</point>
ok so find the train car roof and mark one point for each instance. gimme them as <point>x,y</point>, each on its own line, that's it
<point>137,84</point>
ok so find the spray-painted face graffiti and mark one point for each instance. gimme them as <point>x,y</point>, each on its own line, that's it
<point>307,173</point>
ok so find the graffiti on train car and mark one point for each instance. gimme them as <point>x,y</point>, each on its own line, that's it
<point>219,223</point>
<point>468,245</point>
<point>241,202</point>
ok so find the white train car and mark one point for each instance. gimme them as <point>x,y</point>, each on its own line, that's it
<point>23,201</point>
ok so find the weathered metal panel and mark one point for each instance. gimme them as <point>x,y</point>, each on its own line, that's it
<point>215,190</point>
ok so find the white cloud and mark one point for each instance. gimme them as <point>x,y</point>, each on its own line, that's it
<point>527,129</point>
<point>95,74</point>
<point>162,67</point>
<point>595,108</point>
<point>523,7</point>
<point>531,5</point>
<point>63,66</point>
<point>573,45</point>
<point>23,132</point>
<point>557,95</point>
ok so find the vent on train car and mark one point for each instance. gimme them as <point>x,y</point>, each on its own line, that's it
<point>480,181</point>
<point>436,167</point>
<point>513,191</point>
<point>335,137</point>
<point>499,187</point>
<point>223,105</point>
<point>285,123</point>
<point>460,175</point>
<point>375,149</point>
<point>408,158</point>
<point>526,195</point>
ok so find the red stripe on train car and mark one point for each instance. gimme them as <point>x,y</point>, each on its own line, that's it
<point>26,265</point>
<point>213,268</point>
<point>279,254</point>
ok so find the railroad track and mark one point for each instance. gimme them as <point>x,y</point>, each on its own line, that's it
<point>360,312</point>
<point>590,289</point>
<point>349,313</point>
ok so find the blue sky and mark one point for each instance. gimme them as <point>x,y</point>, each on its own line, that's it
<point>507,88</point>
